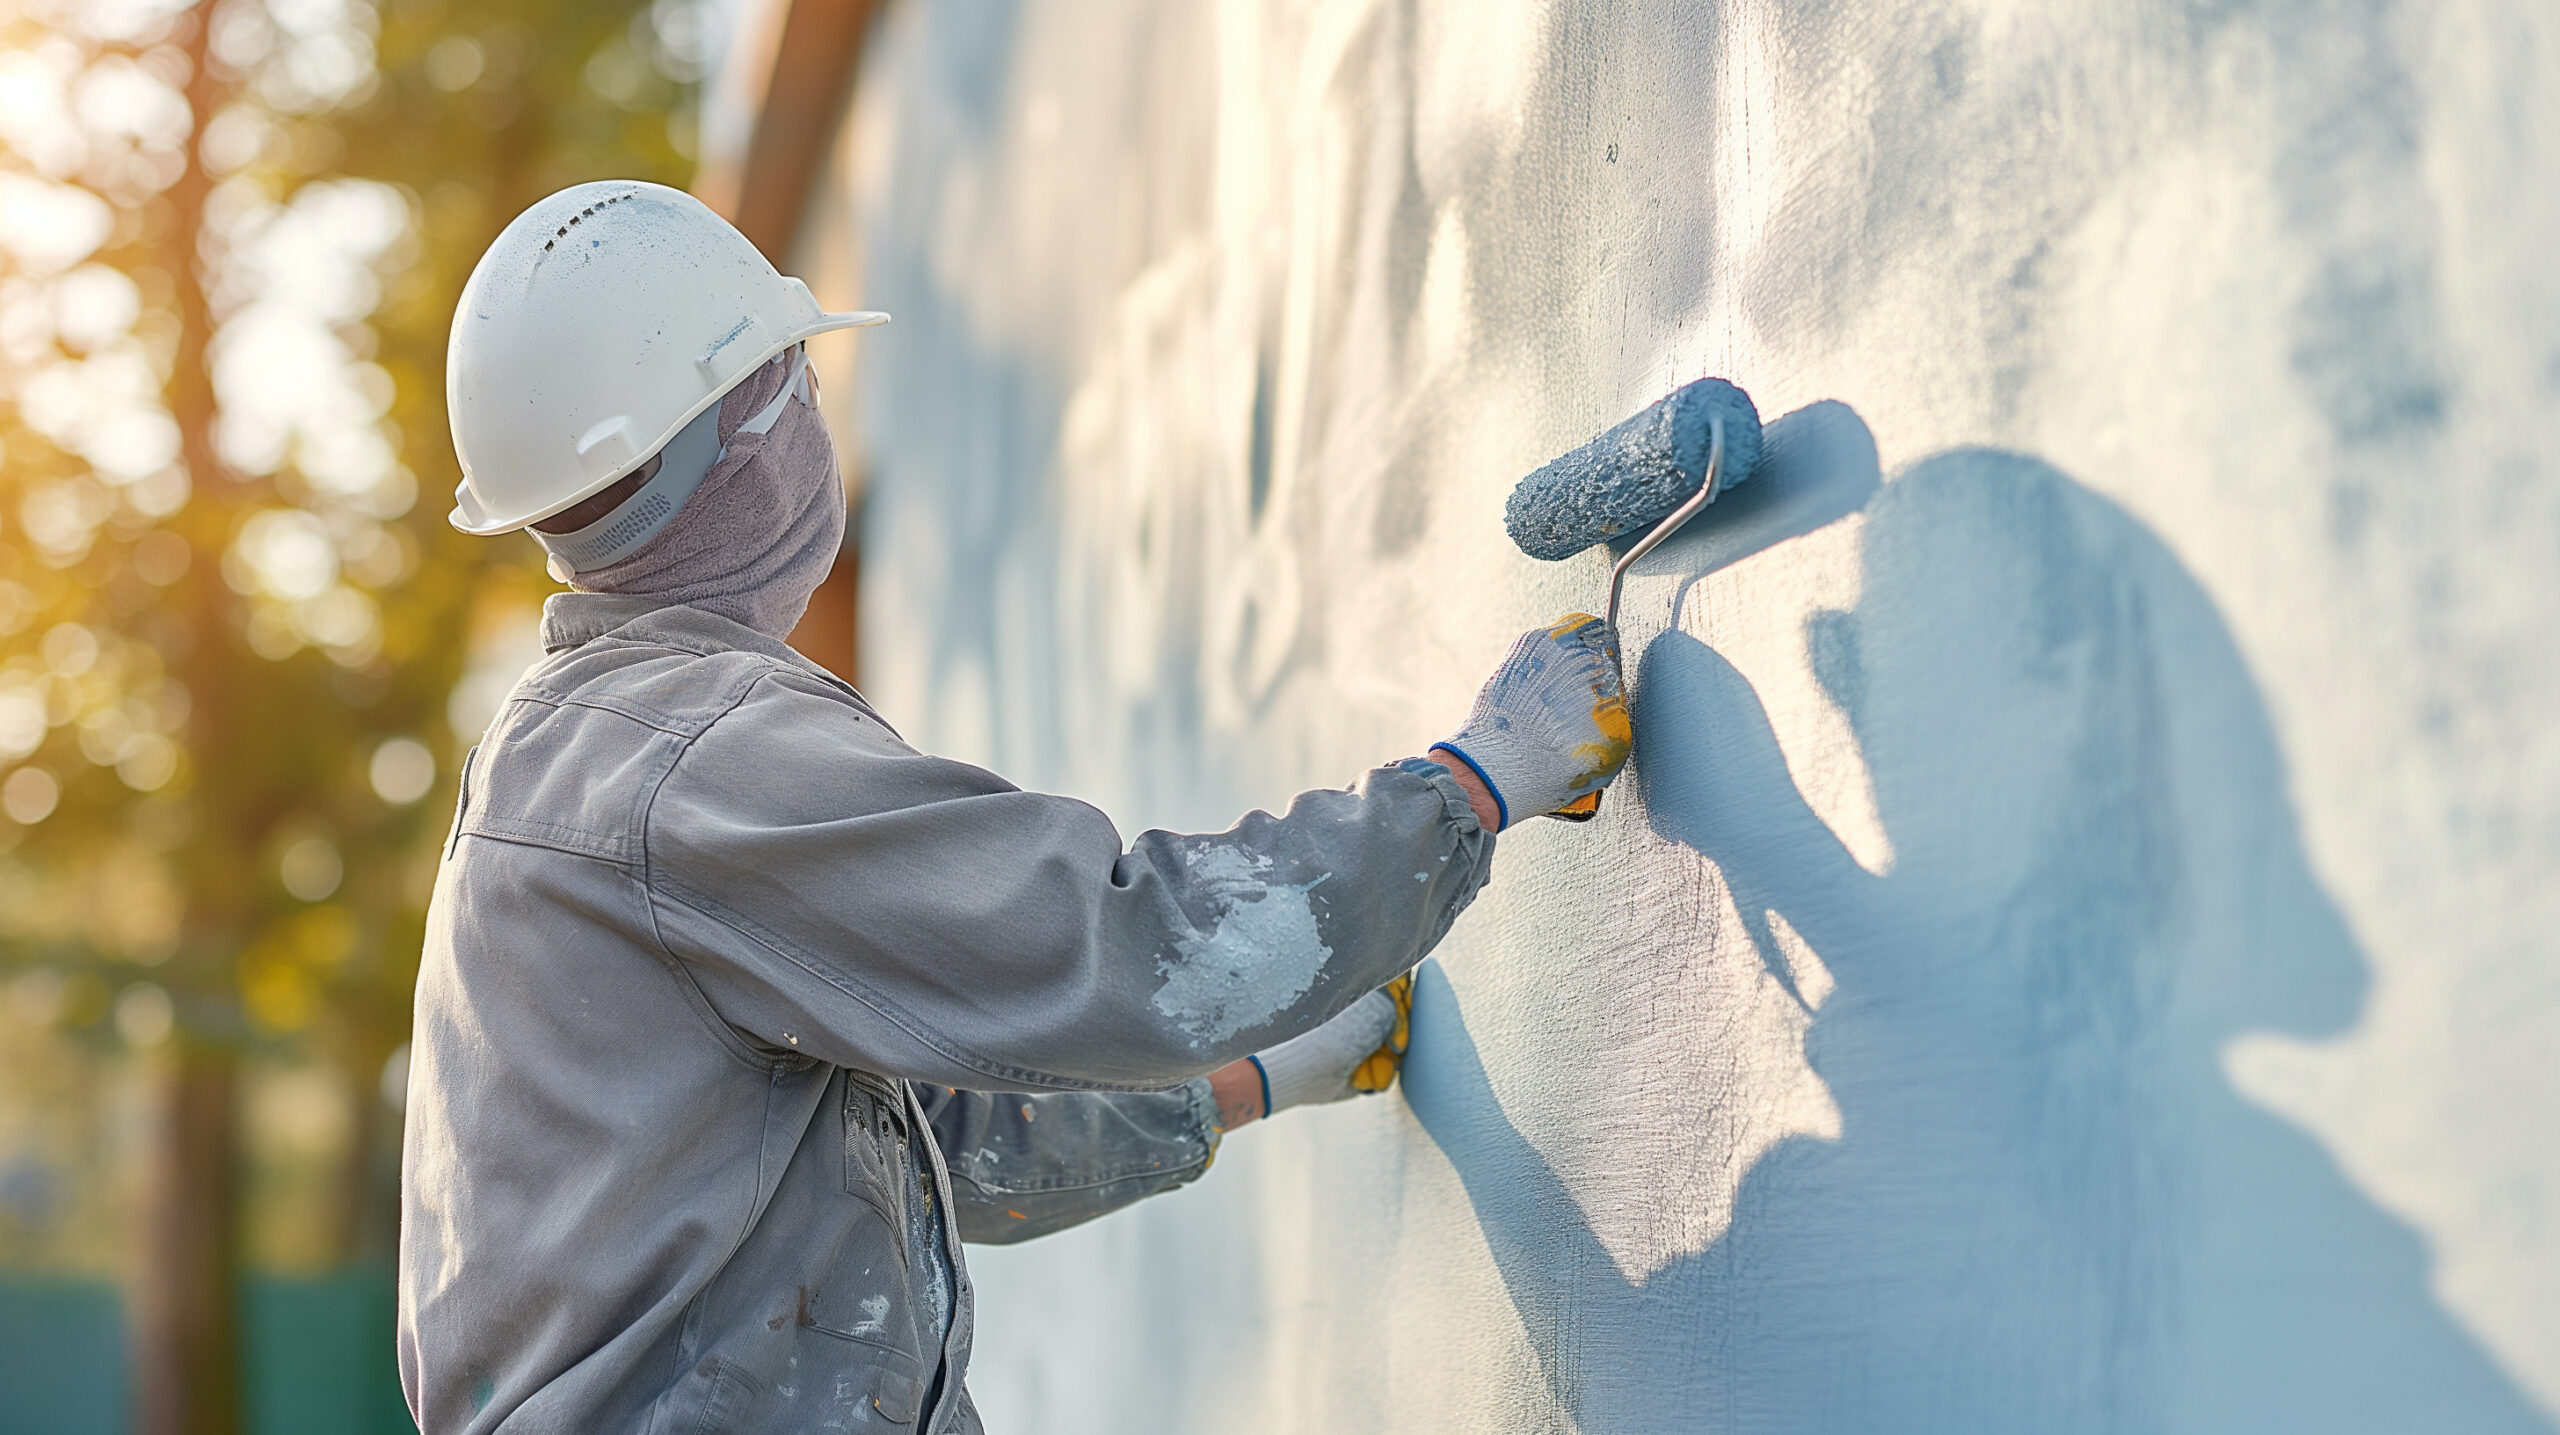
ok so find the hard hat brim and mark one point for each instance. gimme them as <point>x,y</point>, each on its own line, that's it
<point>469,517</point>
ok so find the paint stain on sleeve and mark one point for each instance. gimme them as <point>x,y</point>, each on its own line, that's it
<point>1259,952</point>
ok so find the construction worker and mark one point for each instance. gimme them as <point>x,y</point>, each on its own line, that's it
<point>737,1014</point>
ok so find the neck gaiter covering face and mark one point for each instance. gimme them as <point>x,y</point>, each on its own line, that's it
<point>762,531</point>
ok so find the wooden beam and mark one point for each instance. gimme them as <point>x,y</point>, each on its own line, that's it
<point>800,78</point>
<point>793,65</point>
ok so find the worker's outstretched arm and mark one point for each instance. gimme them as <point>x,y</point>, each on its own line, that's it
<point>1025,1164</point>
<point>838,894</point>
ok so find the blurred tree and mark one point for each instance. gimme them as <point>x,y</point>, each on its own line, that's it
<point>231,613</point>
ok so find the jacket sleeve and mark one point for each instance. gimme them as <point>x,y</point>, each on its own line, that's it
<point>836,894</point>
<point>1026,1164</point>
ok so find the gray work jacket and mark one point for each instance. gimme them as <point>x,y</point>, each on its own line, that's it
<point>737,1014</point>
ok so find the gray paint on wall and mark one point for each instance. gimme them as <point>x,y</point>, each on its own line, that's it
<point>2073,950</point>
<point>2046,1208</point>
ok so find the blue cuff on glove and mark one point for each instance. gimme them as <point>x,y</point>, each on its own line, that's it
<point>1501,806</point>
<point>1265,1077</point>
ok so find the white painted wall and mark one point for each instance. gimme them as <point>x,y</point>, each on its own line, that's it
<point>2076,950</point>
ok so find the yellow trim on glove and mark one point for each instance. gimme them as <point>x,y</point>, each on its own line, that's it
<point>1378,1071</point>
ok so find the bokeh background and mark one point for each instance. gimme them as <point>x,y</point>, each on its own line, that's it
<point>241,651</point>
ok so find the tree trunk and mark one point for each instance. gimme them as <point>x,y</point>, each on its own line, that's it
<point>186,1322</point>
<point>186,1285</point>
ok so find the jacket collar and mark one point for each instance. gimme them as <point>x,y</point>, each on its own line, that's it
<point>571,619</point>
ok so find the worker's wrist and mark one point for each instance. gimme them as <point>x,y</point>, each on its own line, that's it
<point>1479,797</point>
<point>1238,1089</point>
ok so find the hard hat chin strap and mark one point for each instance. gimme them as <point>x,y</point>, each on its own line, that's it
<point>681,467</point>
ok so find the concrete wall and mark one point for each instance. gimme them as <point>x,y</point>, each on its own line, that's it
<point>2076,950</point>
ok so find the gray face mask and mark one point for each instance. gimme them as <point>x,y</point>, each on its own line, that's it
<point>748,536</point>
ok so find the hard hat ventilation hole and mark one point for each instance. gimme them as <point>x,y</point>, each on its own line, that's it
<point>563,231</point>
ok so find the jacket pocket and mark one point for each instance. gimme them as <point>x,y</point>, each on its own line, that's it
<point>818,1390</point>
<point>863,1291</point>
<point>724,1396</point>
<point>897,1397</point>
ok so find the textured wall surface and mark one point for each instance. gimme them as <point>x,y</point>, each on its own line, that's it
<point>2075,950</point>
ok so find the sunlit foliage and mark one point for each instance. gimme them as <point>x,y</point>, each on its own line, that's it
<point>232,618</point>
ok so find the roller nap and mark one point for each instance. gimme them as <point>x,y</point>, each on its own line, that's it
<point>1631,476</point>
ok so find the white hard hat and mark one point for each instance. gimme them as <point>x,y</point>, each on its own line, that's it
<point>598,325</point>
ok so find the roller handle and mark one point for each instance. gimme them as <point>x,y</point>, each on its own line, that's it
<point>1587,806</point>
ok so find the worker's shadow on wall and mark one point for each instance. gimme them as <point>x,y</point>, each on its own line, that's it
<point>2048,1207</point>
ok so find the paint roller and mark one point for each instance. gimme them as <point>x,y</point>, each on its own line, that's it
<point>1653,472</point>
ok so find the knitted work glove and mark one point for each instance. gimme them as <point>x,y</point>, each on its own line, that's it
<point>1550,727</point>
<point>1317,1066</point>
<point>1378,1072</point>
